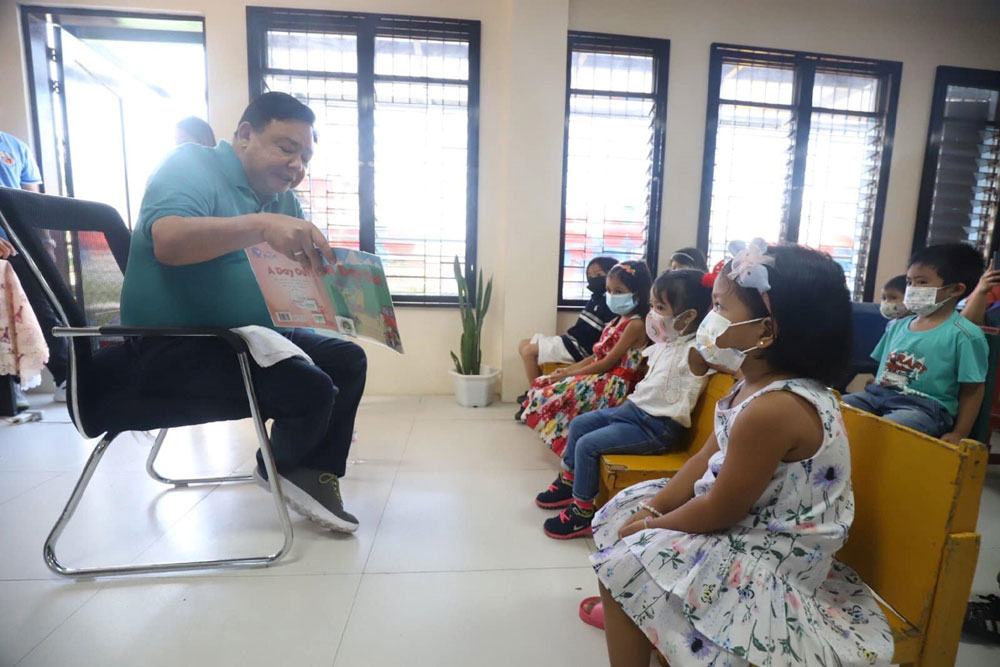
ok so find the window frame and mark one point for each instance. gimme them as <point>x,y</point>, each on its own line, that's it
<point>660,50</point>
<point>63,183</point>
<point>366,26</point>
<point>804,64</point>
<point>946,76</point>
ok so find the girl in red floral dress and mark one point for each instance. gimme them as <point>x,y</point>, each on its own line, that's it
<point>605,379</point>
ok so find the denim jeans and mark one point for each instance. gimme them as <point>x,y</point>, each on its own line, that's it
<point>313,406</point>
<point>622,430</point>
<point>921,414</point>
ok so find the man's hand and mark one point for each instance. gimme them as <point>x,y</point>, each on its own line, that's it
<point>6,249</point>
<point>297,239</point>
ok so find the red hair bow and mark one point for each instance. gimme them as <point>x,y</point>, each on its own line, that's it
<point>708,280</point>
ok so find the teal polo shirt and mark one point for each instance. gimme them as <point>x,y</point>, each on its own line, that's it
<point>197,182</point>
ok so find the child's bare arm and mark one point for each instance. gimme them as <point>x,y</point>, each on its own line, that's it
<point>680,488</point>
<point>633,336</point>
<point>975,307</point>
<point>775,426</point>
<point>970,400</point>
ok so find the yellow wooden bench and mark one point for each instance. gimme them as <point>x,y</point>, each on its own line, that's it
<point>620,471</point>
<point>914,537</point>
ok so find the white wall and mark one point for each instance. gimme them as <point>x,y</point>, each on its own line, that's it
<point>521,116</point>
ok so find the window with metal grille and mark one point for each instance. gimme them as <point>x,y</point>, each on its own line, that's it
<point>395,167</point>
<point>797,149</point>
<point>616,106</point>
<point>960,189</point>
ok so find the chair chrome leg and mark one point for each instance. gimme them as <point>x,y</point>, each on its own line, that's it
<point>151,469</point>
<point>49,550</point>
<point>270,467</point>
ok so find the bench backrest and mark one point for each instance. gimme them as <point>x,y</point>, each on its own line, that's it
<point>981,428</point>
<point>911,493</point>
<point>703,415</point>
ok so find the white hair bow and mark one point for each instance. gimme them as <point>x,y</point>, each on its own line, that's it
<point>750,262</point>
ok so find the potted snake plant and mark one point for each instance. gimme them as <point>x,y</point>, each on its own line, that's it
<point>474,383</point>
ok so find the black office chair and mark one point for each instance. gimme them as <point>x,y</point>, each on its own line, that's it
<point>91,244</point>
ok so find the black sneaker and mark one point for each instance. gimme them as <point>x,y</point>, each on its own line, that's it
<point>571,522</point>
<point>558,495</point>
<point>520,407</point>
<point>315,495</point>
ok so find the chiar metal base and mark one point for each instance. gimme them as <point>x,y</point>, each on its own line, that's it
<point>151,469</point>
<point>49,550</point>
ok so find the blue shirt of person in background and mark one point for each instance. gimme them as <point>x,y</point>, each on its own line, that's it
<point>17,167</point>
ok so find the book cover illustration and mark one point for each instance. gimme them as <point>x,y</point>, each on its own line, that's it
<point>350,298</point>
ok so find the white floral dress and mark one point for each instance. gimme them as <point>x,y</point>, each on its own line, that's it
<point>766,590</point>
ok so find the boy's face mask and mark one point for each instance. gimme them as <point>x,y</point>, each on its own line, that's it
<point>620,304</point>
<point>711,328</point>
<point>892,310</point>
<point>923,300</point>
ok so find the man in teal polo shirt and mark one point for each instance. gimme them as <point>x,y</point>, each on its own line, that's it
<point>187,267</point>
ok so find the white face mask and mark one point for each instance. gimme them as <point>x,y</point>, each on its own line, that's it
<point>713,326</point>
<point>662,329</point>
<point>923,300</point>
<point>892,310</point>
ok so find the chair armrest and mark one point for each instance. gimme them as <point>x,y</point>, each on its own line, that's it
<point>235,341</point>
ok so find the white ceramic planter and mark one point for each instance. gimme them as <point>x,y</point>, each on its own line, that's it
<point>475,391</point>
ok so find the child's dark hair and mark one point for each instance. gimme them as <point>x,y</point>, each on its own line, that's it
<point>683,290</point>
<point>897,284</point>
<point>954,262</point>
<point>811,308</point>
<point>605,263</point>
<point>691,258</point>
<point>636,277</point>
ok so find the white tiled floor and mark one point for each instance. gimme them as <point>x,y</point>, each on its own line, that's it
<point>448,568</point>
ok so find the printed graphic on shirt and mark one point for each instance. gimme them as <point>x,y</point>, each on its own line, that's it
<point>901,370</point>
<point>6,158</point>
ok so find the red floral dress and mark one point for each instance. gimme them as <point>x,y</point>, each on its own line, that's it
<point>549,409</point>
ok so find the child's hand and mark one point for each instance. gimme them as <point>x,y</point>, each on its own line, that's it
<point>6,249</point>
<point>558,374</point>
<point>952,438</point>
<point>989,280</point>
<point>634,523</point>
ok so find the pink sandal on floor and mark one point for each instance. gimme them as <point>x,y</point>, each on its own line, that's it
<point>592,612</point>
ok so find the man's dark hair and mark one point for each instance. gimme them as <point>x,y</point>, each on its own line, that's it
<point>811,308</point>
<point>898,284</point>
<point>198,130</point>
<point>683,290</point>
<point>954,262</point>
<point>275,106</point>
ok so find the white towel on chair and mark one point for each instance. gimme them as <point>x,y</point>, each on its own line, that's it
<point>268,347</point>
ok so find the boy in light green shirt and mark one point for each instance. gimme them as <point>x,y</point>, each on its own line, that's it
<point>932,365</point>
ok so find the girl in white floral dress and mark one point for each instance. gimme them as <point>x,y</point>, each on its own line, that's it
<point>731,561</point>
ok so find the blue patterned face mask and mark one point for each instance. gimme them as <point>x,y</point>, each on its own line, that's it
<point>620,304</point>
